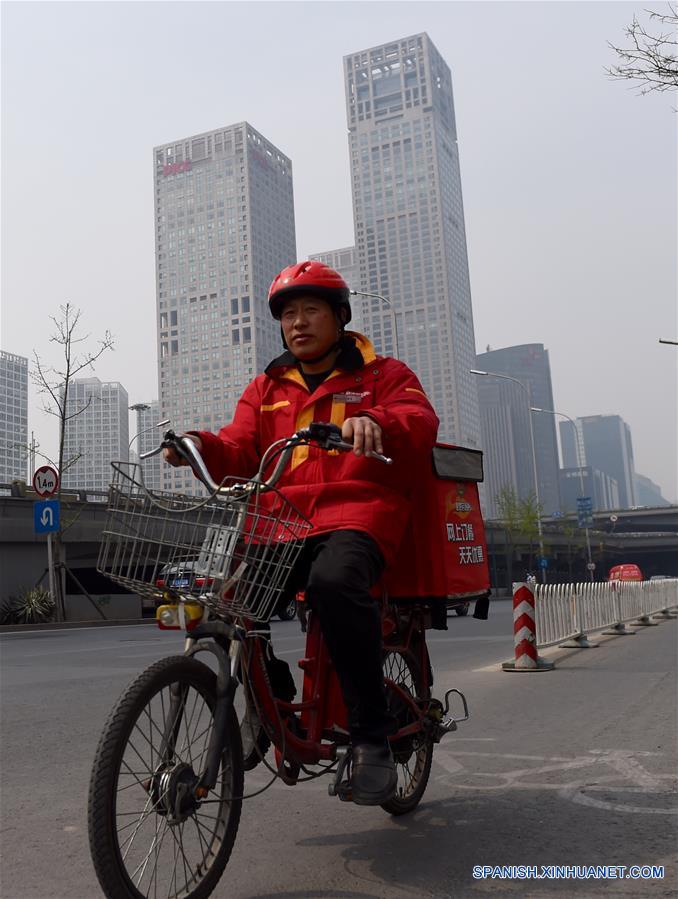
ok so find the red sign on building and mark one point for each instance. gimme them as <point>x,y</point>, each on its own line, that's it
<point>173,168</point>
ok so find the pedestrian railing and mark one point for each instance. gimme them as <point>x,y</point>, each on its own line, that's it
<point>565,614</point>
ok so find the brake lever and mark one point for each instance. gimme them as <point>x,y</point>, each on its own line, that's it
<point>328,436</point>
<point>333,443</point>
<point>171,441</point>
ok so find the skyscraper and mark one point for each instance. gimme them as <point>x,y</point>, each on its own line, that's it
<point>409,221</point>
<point>13,417</point>
<point>224,215</point>
<point>98,435</point>
<point>607,446</point>
<point>599,486</point>
<point>504,410</point>
<point>648,493</point>
<point>345,261</point>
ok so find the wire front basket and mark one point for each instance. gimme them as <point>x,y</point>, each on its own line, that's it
<point>232,555</point>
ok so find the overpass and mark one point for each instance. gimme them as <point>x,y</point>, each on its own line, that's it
<point>648,537</point>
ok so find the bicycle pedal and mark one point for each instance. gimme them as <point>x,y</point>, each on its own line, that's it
<point>343,791</point>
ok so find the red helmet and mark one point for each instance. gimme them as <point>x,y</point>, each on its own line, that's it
<point>309,277</point>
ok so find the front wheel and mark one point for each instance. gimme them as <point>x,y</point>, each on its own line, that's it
<point>413,755</point>
<point>150,836</point>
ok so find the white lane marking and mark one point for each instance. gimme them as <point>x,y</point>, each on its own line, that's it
<point>624,763</point>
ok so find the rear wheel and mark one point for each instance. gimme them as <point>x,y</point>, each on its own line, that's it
<point>149,834</point>
<point>413,754</point>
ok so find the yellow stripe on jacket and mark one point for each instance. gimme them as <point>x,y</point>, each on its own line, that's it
<point>273,406</point>
<point>300,453</point>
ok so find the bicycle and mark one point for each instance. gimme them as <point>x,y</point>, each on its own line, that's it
<point>167,783</point>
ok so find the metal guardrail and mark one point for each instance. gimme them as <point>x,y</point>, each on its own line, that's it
<point>571,611</point>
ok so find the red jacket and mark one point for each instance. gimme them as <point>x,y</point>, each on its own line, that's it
<point>336,490</point>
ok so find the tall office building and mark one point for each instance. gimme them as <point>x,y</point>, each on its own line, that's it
<point>224,217</point>
<point>599,486</point>
<point>505,426</point>
<point>13,417</point>
<point>345,261</point>
<point>146,437</point>
<point>409,221</point>
<point>648,493</point>
<point>98,435</point>
<point>607,446</point>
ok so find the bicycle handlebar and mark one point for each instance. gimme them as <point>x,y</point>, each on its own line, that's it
<point>324,435</point>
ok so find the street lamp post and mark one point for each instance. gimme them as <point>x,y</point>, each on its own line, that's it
<point>391,309</point>
<point>581,476</point>
<point>525,387</point>
<point>144,407</point>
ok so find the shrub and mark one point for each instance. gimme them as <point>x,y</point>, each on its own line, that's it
<point>30,607</point>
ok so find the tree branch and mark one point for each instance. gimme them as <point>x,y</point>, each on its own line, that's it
<point>650,59</point>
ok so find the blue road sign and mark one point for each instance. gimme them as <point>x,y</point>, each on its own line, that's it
<point>46,514</point>
<point>584,511</point>
<point>543,562</point>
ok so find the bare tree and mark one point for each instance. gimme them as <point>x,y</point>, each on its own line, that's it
<point>54,384</point>
<point>650,58</point>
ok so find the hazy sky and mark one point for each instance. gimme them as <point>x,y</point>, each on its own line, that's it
<point>569,178</point>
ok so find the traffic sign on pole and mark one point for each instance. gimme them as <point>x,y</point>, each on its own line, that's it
<point>46,481</point>
<point>46,516</point>
<point>584,511</point>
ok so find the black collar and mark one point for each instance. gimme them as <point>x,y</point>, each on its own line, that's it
<point>349,359</point>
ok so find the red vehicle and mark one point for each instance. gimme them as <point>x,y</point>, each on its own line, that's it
<point>167,783</point>
<point>625,572</point>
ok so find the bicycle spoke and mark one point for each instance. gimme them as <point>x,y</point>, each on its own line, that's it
<point>166,844</point>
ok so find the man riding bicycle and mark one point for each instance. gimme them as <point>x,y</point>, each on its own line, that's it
<point>360,515</point>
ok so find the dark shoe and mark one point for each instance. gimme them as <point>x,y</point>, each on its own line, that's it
<point>373,774</point>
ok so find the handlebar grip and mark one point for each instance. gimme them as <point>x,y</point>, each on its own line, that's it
<point>187,449</point>
<point>329,437</point>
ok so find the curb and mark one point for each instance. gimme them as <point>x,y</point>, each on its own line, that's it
<point>120,622</point>
<point>63,625</point>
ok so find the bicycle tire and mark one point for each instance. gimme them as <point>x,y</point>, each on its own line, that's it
<point>413,755</point>
<point>148,692</point>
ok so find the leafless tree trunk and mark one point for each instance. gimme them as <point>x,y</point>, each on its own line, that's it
<point>54,384</point>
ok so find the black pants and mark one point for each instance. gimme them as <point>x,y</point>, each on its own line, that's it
<point>337,570</point>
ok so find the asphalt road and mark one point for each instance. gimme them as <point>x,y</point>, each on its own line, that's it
<point>576,766</point>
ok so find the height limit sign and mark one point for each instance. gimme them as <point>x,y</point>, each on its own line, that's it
<point>46,481</point>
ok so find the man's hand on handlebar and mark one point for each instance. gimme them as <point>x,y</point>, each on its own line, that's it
<point>364,433</point>
<point>172,457</point>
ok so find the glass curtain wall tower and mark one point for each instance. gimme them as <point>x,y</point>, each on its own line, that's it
<point>13,417</point>
<point>409,221</point>
<point>97,432</point>
<point>224,227</point>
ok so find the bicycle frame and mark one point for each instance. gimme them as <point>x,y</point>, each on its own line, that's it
<point>307,732</point>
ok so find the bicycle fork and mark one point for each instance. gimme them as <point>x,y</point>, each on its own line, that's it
<point>227,683</point>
